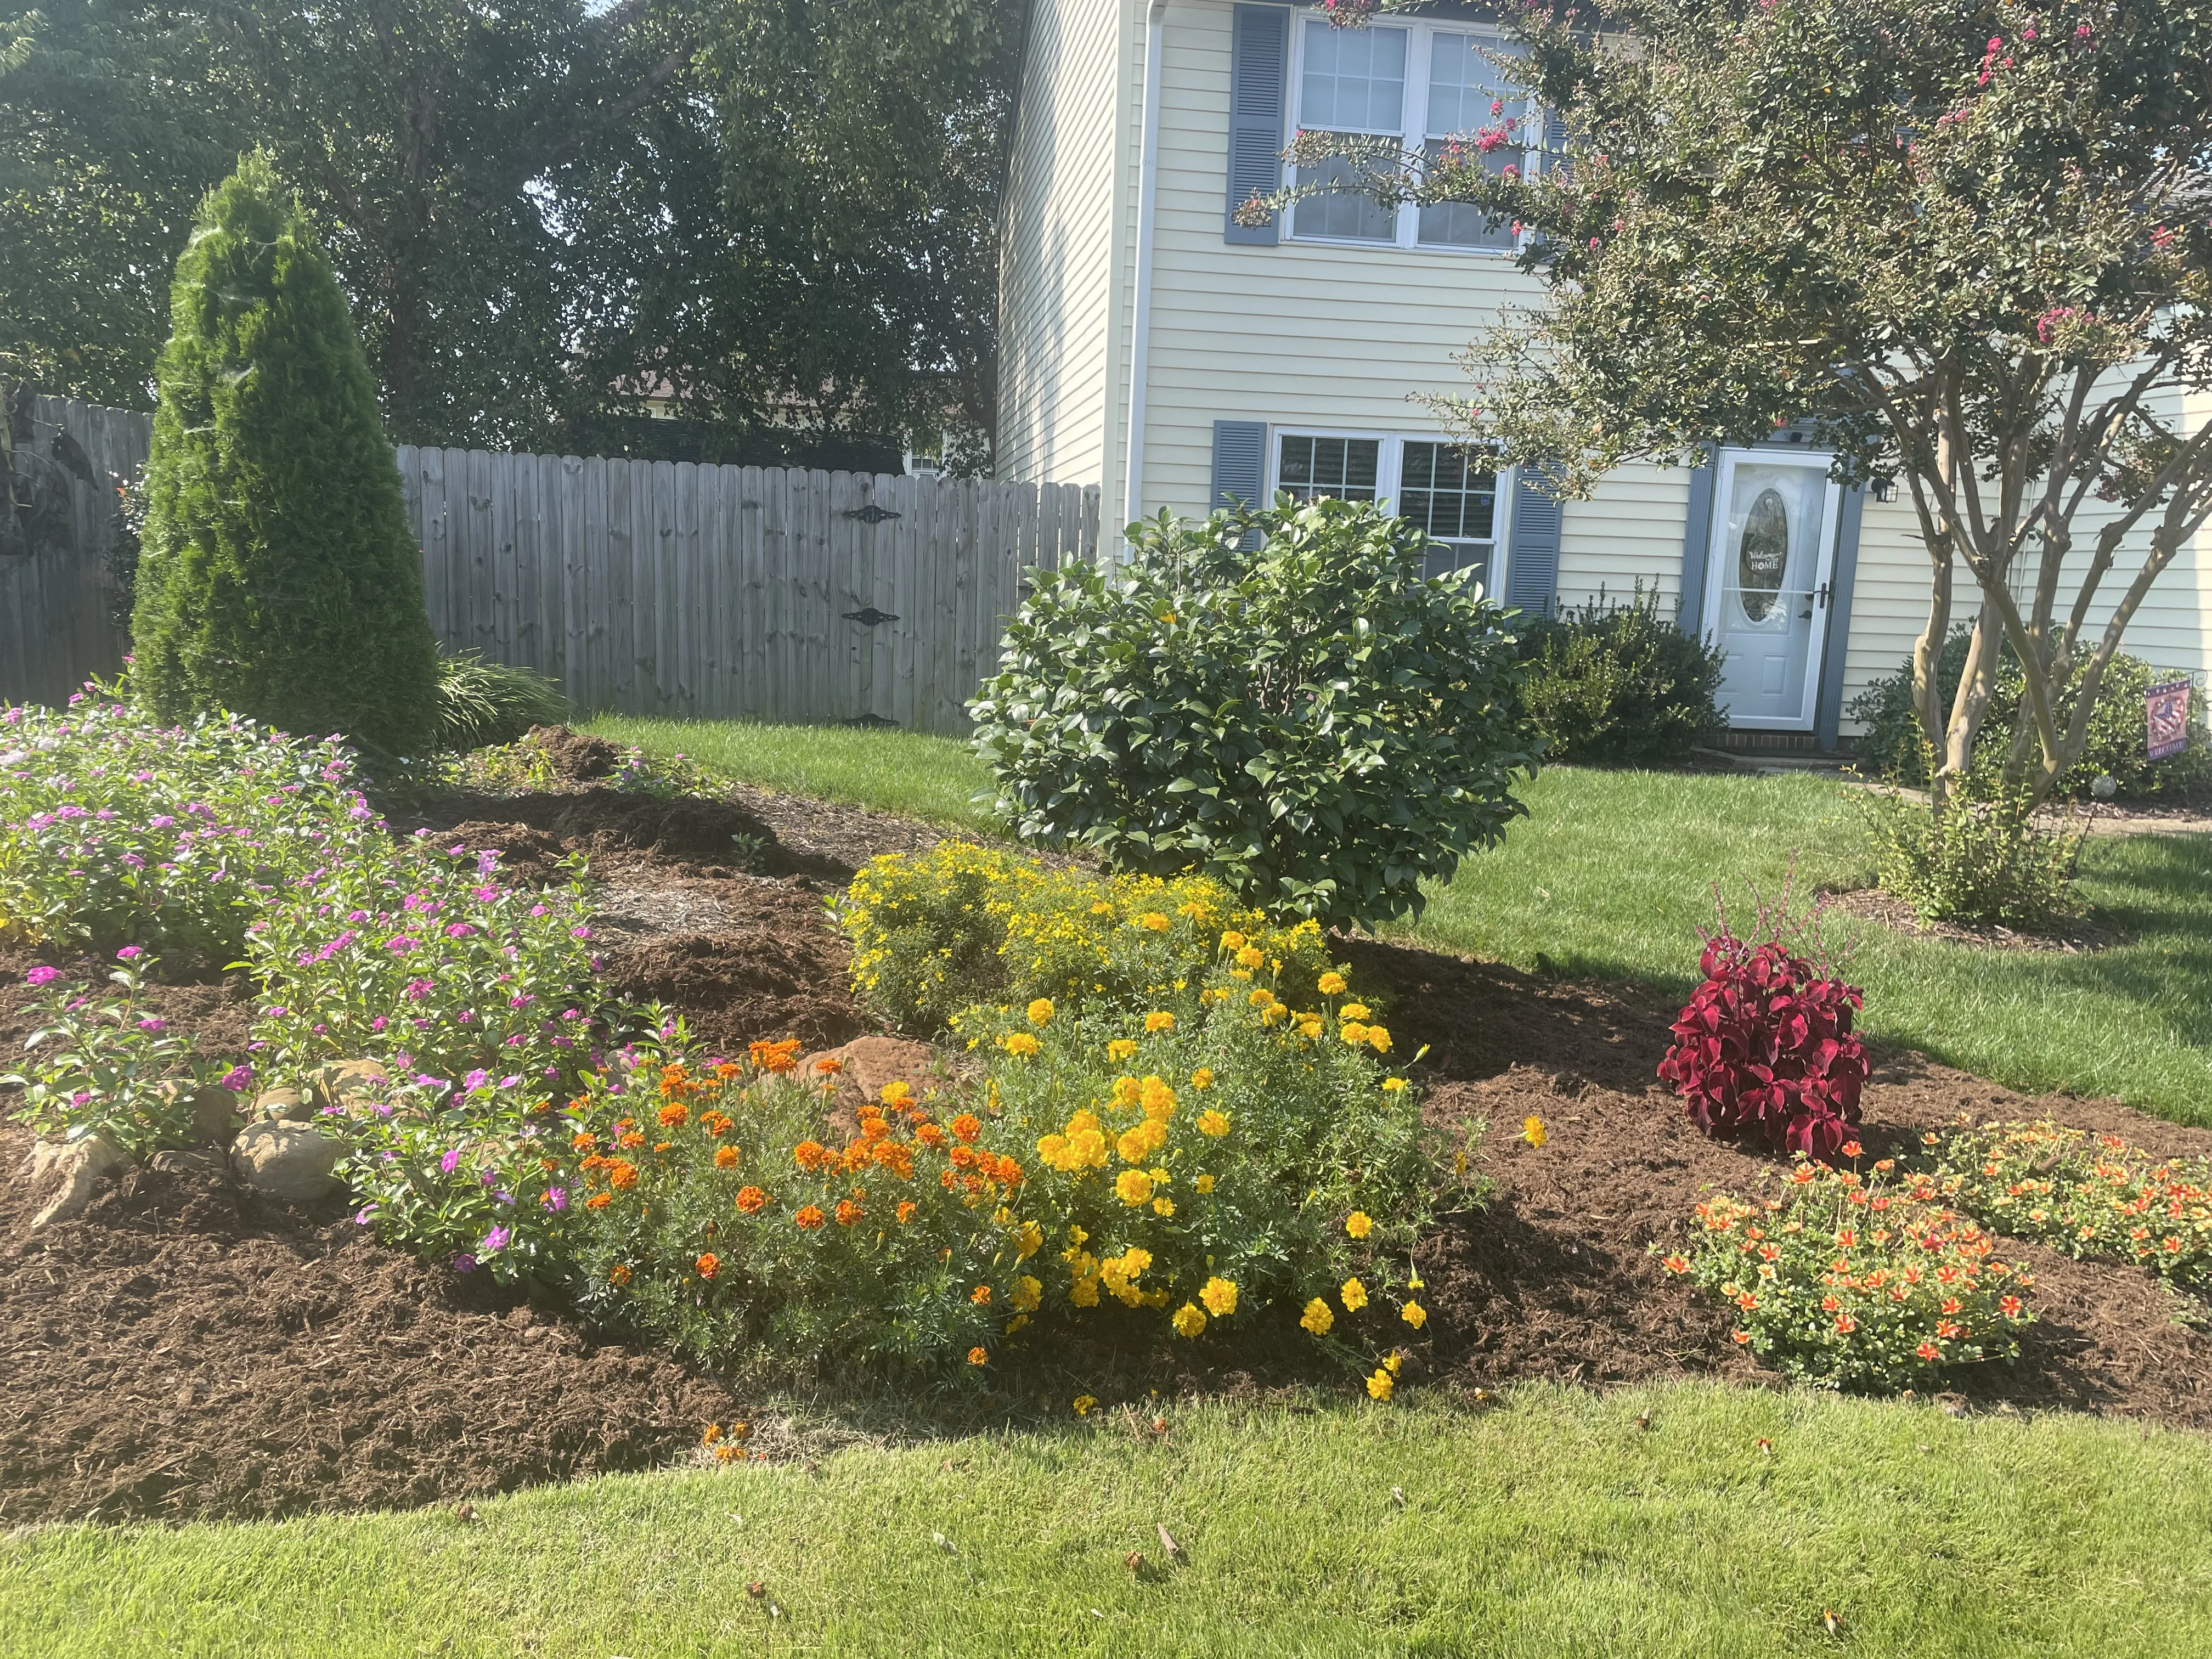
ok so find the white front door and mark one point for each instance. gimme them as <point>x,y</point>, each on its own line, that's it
<point>1766,588</point>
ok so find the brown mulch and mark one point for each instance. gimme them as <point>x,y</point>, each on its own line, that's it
<point>182,1349</point>
<point>185,1350</point>
<point>1554,1278</point>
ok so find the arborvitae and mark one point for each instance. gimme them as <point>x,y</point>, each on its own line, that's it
<point>278,577</point>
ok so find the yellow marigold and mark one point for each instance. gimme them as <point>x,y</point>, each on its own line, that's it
<point>1028,1292</point>
<point>1084,1292</point>
<point>1101,908</point>
<point>1391,1086</point>
<point>1354,1294</point>
<point>1203,1183</point>
<point>1262,998</point>
<point>1040,1010</point>
<point>1084,1403</point>
<point>1019,1043</point>
<point>1202,1078</point>
<point>1414,1314</point>
<point>1157,1098</point>
<point>1053,1150</point>
<point>1138,1143</point>
<point>1309,1028</point>
<point>1153,922</point>
<point>1158,1020</point>
<point>1317,1318</point>
<point>1380,1384</point>
<point>1029,1240</point>
<point>1188,1321</point>
<point>897,1094</point>
<point>1353,1010</point>
<point>1359,1224</point>
<point>1251,957</point>
<point>1354,1033</point>
<point>1378,1039</point>
<point>1133,1187</point>
<point>1219,1296</point>
<point>1532,1132</point>
<point>1164,1206</point>
<point>1232,941</point>
<point>1213,1123</point>
<point>1121,1049</point>
<point>1332,984</point>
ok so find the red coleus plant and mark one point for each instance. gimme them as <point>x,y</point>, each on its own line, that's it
<point>1765,1048</point>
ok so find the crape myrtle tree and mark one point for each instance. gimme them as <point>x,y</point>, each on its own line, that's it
<point>278,576</point>
<point>1966,243</point>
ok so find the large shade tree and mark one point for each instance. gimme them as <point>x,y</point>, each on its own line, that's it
<point>1966,242</point>
<point>780,209</point>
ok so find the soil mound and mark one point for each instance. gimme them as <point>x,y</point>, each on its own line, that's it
<point>184,1350</point>
<point>576,756</point>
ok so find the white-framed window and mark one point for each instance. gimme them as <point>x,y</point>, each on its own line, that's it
<point>1448,489</point>
<point>1421,86</point>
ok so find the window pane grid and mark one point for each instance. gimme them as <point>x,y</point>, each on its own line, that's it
<point>1451,494</point>
<point>1344,469</point>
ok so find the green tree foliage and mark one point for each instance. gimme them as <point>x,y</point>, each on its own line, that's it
<point>1967,240</point>
<point>1311,723</point>
<point>278,578</point>
<point>782,210</point>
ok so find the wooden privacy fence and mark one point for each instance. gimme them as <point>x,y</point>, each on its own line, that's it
<point>660,588</point>
<point>58,626</point>
<point>646,587</point>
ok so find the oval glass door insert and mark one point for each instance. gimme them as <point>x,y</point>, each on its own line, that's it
<point>1762,555</point>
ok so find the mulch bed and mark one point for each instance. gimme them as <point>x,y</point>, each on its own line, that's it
<point>182,1349</point>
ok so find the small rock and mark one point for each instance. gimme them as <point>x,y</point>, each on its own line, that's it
<point>289,1161</point>
<point>203,1162</point>
<point>863,1067</point>
<point>66,1172</point>
<point>354,1087</point>
<point>288,1104</point>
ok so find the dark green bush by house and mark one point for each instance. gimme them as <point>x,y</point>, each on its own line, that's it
<point>277,577</point>
<point>1890,746</point>
<point>1618,684</point>
<point>1311,723</point>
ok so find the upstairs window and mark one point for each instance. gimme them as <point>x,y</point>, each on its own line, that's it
<point>1352,83</point>
<point>1420,89</point>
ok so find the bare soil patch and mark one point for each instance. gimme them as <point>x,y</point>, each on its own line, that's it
<point>185,1350</point>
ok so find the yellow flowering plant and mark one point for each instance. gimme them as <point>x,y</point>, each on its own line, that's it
<point>934,932</point>
<point>1218,1169</point>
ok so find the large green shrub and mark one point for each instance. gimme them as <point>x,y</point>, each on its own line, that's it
<point>1981,855</point>
<point>278,577</point>
<point>1618,684</point>
<point>1891,747</point>
<point>1310,721</point>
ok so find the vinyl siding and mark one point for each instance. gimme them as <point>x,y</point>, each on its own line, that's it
<point>1059,292</point>
<point>1630,532</point>
<point>1294,334</point>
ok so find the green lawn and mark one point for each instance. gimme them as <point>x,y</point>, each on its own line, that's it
<point>1551,1526</point>
<point>1612,875</point>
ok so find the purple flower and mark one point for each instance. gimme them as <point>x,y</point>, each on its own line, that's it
<point>580,932</point>
<point>477,1079</point>
<point>417,989</point>
<point>42,975</point>
<point>463,1263</point>
<point>451,1161</point>
<point>238,1077</point>
<point>150,1022</point>
<point>510,1082</point>
<point>486,859</point>
<point>487,1178</point>
<point>362,1216</point>
<point>129,953</point>
<point>493,1241</point>
<point>554,1198</point>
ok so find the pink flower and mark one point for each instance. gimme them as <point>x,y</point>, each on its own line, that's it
<point>42,974</point>
<point>130,953</point>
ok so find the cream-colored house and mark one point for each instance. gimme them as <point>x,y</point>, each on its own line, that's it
<point>1153,346</point>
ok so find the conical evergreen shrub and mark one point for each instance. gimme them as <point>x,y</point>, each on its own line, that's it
<point>278,577</point>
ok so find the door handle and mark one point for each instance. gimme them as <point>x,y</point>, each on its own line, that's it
<point>1819,596</point>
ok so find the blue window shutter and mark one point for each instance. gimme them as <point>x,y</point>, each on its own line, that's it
<point>1259,79</point>
<point>1697,543</point>
<point>1532,560</point>
<point>1240,463</point>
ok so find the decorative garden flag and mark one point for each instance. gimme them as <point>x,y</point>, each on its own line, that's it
<point>2167,710</point>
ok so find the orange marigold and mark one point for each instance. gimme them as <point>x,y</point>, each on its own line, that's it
<point>930,1135</point>
<point>967,1126</point>
<point>980,1295</point>
<point>726,1158</point>
<point>811,1154</point>
<point>978,1356</point>
<point>1008,1172</point>
<point>809,1217</point>
<point>674,1113</point>
<point>751,1200</point>
<point>619,1274</point>
<point>708,1265</point>
<point>847,1212</point>
<point>585,1141</point>
<point>716,1123</point>
<point>633,1138</point>
<point>598,1201</point>
<point>906,1209</point>
<point>776,1056</point>
<point>623,1175</point>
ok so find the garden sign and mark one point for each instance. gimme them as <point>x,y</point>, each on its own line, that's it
<point>2166,707</point>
